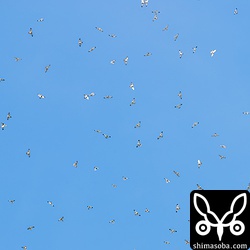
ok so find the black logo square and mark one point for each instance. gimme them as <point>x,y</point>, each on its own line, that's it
<point>219,219</point>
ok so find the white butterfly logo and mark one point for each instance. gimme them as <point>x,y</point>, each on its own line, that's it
<point>236,227</point>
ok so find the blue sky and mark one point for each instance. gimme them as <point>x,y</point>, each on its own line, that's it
<point>59,129</point>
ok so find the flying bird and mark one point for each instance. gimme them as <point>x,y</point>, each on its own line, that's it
<point>222,157</point>
<point>28,153</point>
<point>176,173</point>
<point>138,125</point>
<point>114,185</point>
<point>199,163</point>
<point>80,42</point>
<point>112,221</point>
<point>61,219</point>
<point>41,96</point>
<point>166,180</point>
<point>180,53</point>
<point>223,146</point>
<point>136,213</point>
<point>156,12</point>
<point>138,145</point>
<point>113,62</point>
<point>2,79</point>
<point>125,60</point>
<point>215,135</point>
<point>108,97</point>
<point>166,242</point>
<point>132,102</point>
<point>148,54</point>
<point>17,59</point>
<point>3,125</point>
<point>176,36</point>
<point>235,11</point>
<point>99,29</point>
<point>132,86</point>
<point>47,68</point>
<point>199,187</point>
<point>96,168</point>
<point>194,49</point>
<point>187,242</point>
<point>160,135</point>
<point>91,49</point>
<point>146,210</point>
<point>9,116</point>
<point>124,178</point>
<point>11,201</point>
<point>177,208</point>
<point>180,94</point>
<point>165,28</point>
<point>75,164</point>
<point>90,207</point>
<point>86,96</point>
<point>30,32</point>
<point>212,52</point>
<point>30,228</point>
<point>246,113</point>
<point>98,131</point>
<point>24,247</point>
<point>50,203</point>
<point>113,35</point>
<point>106,136</point>
<point>172,231</point>
<point>178,106</point>
<point>195,124</point>
<point>144,3</point>
<point>40,19</point>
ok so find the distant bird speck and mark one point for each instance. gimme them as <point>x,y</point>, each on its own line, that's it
<point>99,29</point>
<point>80,42</point>
<point>194,49</point>
<point>199,163</point>
<point>132,86</point>
<point>176,36</point>
<point>166,180</point>
<point>138,145</point>
<point>47,68</point>
<point>176,173</point>
<point>165,28</point>
<point>195,124</point>
<point>212,52</point>
<point>40,19</point>
<point>9,116</point>
<point>144,3</point>
<point>28,153</point>
<point>160,135</point>
<point>3,125</point>
<point>138,125</point>
<point>92,49</point>
<point>125,60</point>
<point>178,106</point>
<point>177,208</point>
<point>30,32</point>
<point>180,53</point>
<point>133,102</point>
<point>41,96</point>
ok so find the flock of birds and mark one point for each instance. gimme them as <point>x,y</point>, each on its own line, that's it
<point>88,96</point>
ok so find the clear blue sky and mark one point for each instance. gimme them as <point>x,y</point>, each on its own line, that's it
<point>59,129</point>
